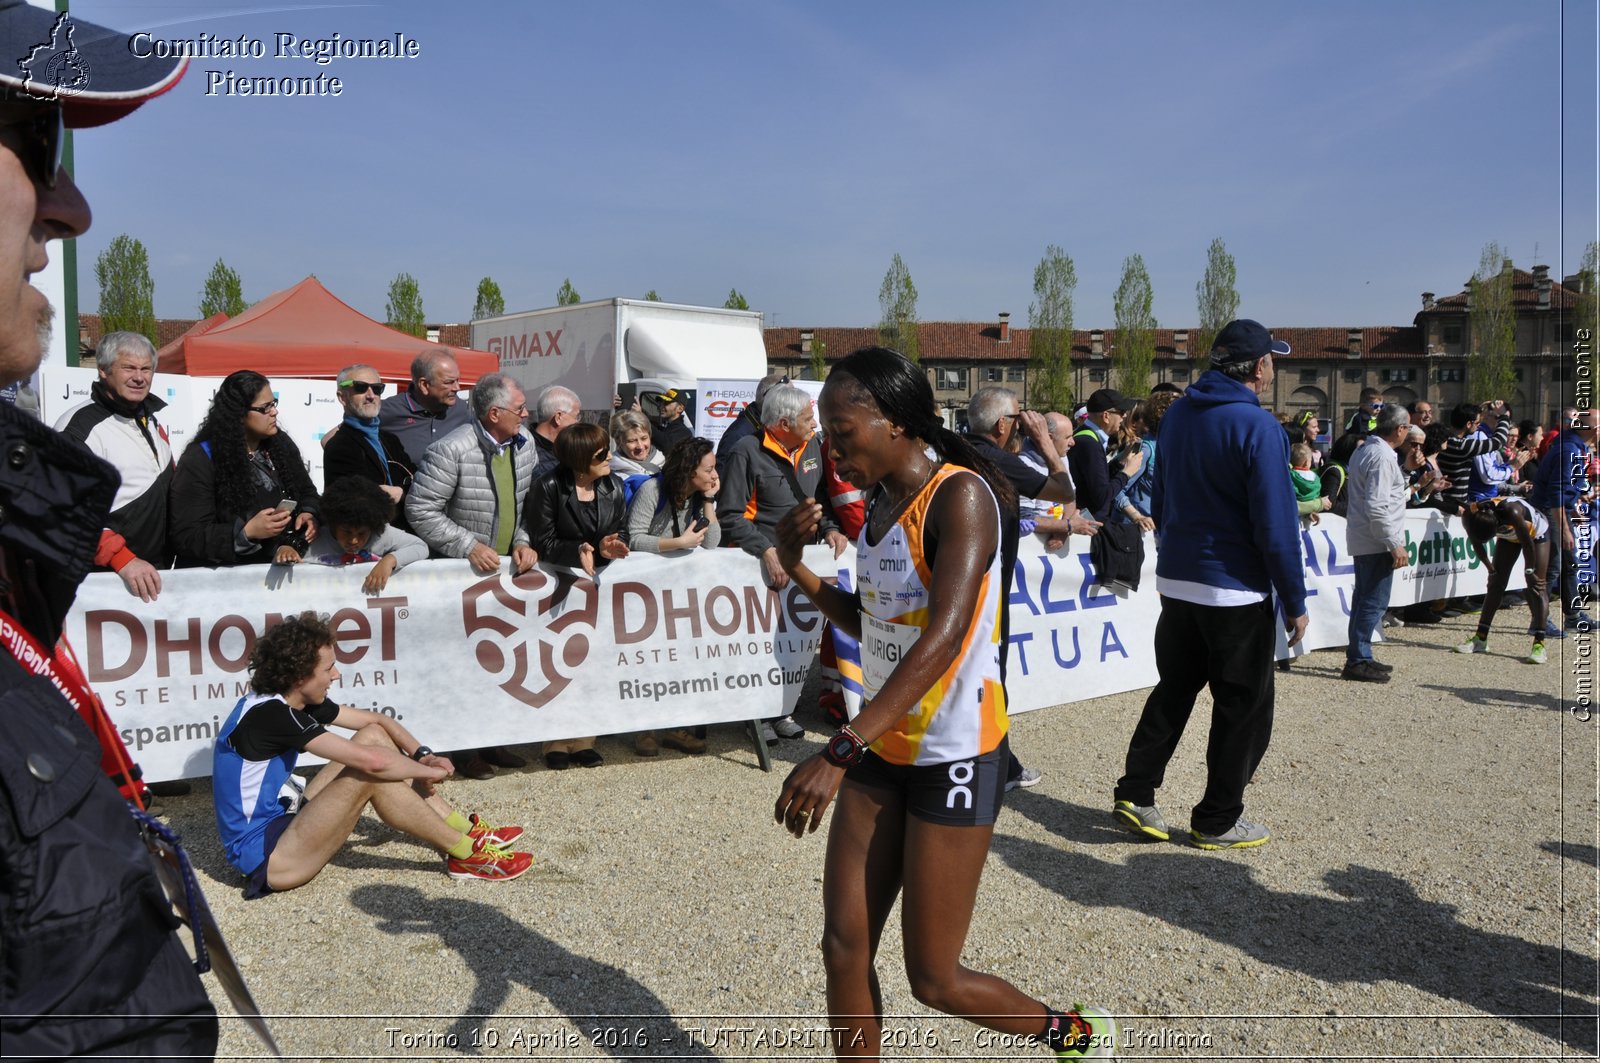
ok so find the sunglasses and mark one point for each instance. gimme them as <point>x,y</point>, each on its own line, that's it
<point>266,407</point>
<point>600,457</point>
<point>361,387</point>
<point>40,128</point>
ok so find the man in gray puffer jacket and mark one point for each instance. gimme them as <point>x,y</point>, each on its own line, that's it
<point>466,499</point>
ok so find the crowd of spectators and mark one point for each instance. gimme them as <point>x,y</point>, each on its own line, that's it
<point>426,473</point>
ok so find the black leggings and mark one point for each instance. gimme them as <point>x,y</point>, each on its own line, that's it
<point>1506,553</point>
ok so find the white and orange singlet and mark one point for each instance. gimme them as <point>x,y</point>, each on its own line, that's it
<point>962,714</point>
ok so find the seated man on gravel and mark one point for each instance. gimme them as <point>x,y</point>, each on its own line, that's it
<point>280,841</point>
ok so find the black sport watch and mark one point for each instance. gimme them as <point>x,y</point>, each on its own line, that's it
<point>845,749</point>
<point>420,752</point>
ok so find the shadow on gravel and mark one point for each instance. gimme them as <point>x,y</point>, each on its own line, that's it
<point>501,951</point>
<point>1510,698</point>
<point>1587,855</point>
<point>1378,928</point>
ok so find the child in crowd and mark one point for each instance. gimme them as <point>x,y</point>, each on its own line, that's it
<point>356,514</point>
<point>1307,484</point>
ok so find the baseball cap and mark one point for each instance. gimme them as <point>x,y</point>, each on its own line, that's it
<point>90,70</point>
<point>1109,399</point>
<point>1243,340</point>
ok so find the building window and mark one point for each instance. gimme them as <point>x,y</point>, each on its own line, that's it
<point>993,374</point>
<point>1399,376</point>
<point>952,379</point>
<point>1097,375</point>
<point>1180,372</point>
<point>1352,376</point>
<point>1560,373</point>
<point>1516,374</point>
<point>1451,334</point>
<point>1450,376</point>
<point>1308,376</point>
<point>1016,374</point>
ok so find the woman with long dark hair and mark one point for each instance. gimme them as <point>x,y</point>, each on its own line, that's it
<point>919,774</point>
<point>241,494</point>
<point>678,509</point>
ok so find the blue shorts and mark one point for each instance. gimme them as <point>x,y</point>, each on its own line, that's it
<point>961,793</point>
<point>255,884</point>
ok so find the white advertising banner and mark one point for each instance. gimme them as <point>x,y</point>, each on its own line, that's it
<point>718,403</point>
<point>656,642</point>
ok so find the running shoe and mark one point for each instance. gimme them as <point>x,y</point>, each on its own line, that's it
<point>1093,1034</point>
<point>1536,655</point>
<point>1242,835</point>
<point>489,861</point>
<point>1142,819</point>
<point>1580,621</point>
<point>482,830</point>
<point>1475,645</point>
<point>1026,778</point>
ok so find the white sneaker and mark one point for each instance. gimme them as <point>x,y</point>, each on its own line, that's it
<point>787,728</point>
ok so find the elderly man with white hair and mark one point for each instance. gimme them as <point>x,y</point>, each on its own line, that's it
<point>556,408</point>
<point>119,424</point>
<point>766,476</point>
<point>466,501</point>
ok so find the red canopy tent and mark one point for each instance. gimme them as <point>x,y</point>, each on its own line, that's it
<point>307,332</point>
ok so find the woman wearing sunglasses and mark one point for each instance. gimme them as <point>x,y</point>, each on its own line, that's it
<point>241,494</point>
<point>575,517</point>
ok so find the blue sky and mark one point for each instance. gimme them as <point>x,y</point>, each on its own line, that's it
<point>1351,155</point>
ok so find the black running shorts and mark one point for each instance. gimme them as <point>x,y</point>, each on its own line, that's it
<point>961,793</point>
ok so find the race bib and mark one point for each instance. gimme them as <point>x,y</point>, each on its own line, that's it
<point>883,644</point>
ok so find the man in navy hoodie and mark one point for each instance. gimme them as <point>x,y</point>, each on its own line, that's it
<point>1229,539</point>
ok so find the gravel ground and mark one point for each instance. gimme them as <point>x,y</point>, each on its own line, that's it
<point>1430,891</point>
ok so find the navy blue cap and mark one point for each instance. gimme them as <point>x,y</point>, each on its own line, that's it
<point>92,71</point>
<point>1243,340</point>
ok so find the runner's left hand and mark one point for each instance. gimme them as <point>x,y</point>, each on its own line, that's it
<point>807,793</point>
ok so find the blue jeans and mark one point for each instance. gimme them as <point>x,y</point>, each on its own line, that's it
<point>1374,574</point>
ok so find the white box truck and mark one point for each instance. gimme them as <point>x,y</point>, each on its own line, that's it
<point>611,346</point>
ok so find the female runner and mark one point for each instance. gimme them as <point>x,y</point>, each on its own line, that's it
<point>920,772</point>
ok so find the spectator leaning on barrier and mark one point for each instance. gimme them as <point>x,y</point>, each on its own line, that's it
<point>672,512</point>
<point>556,408</point>
<point>363,448</point>
<point>356,516</point>
<point>431,409</point>
<point>765,477</point>
<point>241,494</point>
<point>89,963</point>
<point>467,501</point>
<point>632,453</point>
<point>1375,533</point>
<point>575,516</point>
<point>1230,538</point>
<point>119,424</point>
<point>469,492</point>
<point>280,841</point>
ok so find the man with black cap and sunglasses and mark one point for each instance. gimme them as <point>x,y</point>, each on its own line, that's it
<point>1229,541</point>
<point>91,964</point>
